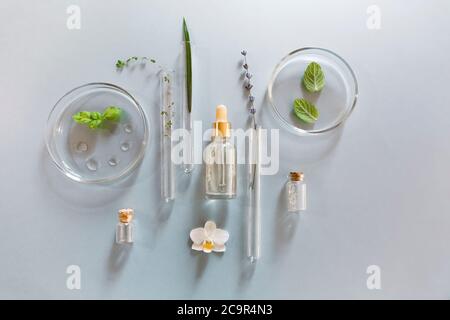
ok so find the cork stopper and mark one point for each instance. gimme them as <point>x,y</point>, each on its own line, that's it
<point>296,176</point>
<point>126,215</point>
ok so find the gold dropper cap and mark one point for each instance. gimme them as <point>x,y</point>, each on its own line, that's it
<point>221,127</point>
<point>126,215</point>
<point>296,176</point>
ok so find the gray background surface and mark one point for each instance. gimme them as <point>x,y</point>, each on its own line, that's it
<point>378,188</point>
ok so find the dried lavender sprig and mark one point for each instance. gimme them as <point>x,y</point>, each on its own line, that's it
<point>254,208</point>
<point>249,86</point>
<point>251,102</point>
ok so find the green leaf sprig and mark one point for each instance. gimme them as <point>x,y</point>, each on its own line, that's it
<point>187,43</point>
<point>305,110</point>
<point>94,119</point>
<point>314,78</point>
<point>120,64</point>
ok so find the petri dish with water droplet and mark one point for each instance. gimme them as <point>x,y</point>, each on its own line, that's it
<point>128,128</point>
<point>335,102</point>
<point>125,146</point>
<point>92,164</point>
<point>97,155</point>
<point>113,161</point>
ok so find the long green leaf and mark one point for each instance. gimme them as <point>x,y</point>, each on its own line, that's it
<point>187,43</point>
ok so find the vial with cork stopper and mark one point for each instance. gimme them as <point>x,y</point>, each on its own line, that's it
<point>296,192</point>
<point>124,229</point>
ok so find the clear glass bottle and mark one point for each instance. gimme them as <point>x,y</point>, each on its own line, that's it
<point>124,229</point>
<point>296,192</point>
<point>220,159</point>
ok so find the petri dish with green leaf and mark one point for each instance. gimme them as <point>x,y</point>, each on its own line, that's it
<point>312,91</point>
<point>97,133</point>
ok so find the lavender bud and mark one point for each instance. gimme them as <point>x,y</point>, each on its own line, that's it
<point>252,110</point>
<point>244,53</point>
<point>251,98</point>
<point>245,66</point>
<point>248,75</point>
<point>248,86</point>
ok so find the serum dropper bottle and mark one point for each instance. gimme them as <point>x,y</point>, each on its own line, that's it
<point>220,159</point>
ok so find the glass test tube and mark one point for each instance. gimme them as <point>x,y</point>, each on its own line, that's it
<point>254,197</point>
<point>167,106</point>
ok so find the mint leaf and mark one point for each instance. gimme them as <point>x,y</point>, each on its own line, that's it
<point>94,119</point>
<point>112,113</point>
<point>96,115</point>
<point>83,117</point>
<point>314,79</point>
<point>305,110</point>
<point>94,124</point>
<point>91,119</point>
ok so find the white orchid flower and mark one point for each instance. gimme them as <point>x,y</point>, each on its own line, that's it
<point>209,238</point>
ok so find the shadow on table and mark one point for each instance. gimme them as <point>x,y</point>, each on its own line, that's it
<point>285,223</point>
<point>118,257</point>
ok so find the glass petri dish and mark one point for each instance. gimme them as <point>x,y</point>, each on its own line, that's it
<point>335,102</point>
<point>104,154</point>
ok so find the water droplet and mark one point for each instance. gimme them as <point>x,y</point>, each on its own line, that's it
<point>113,162</point>
<point>125,146</point>
<point>92,165</point>
<point>82,147</point>
<point>128,128</point>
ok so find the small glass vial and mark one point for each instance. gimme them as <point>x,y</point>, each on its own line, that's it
<point>296,192</point>
<point>124,229</point>
<point>220,159</point>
